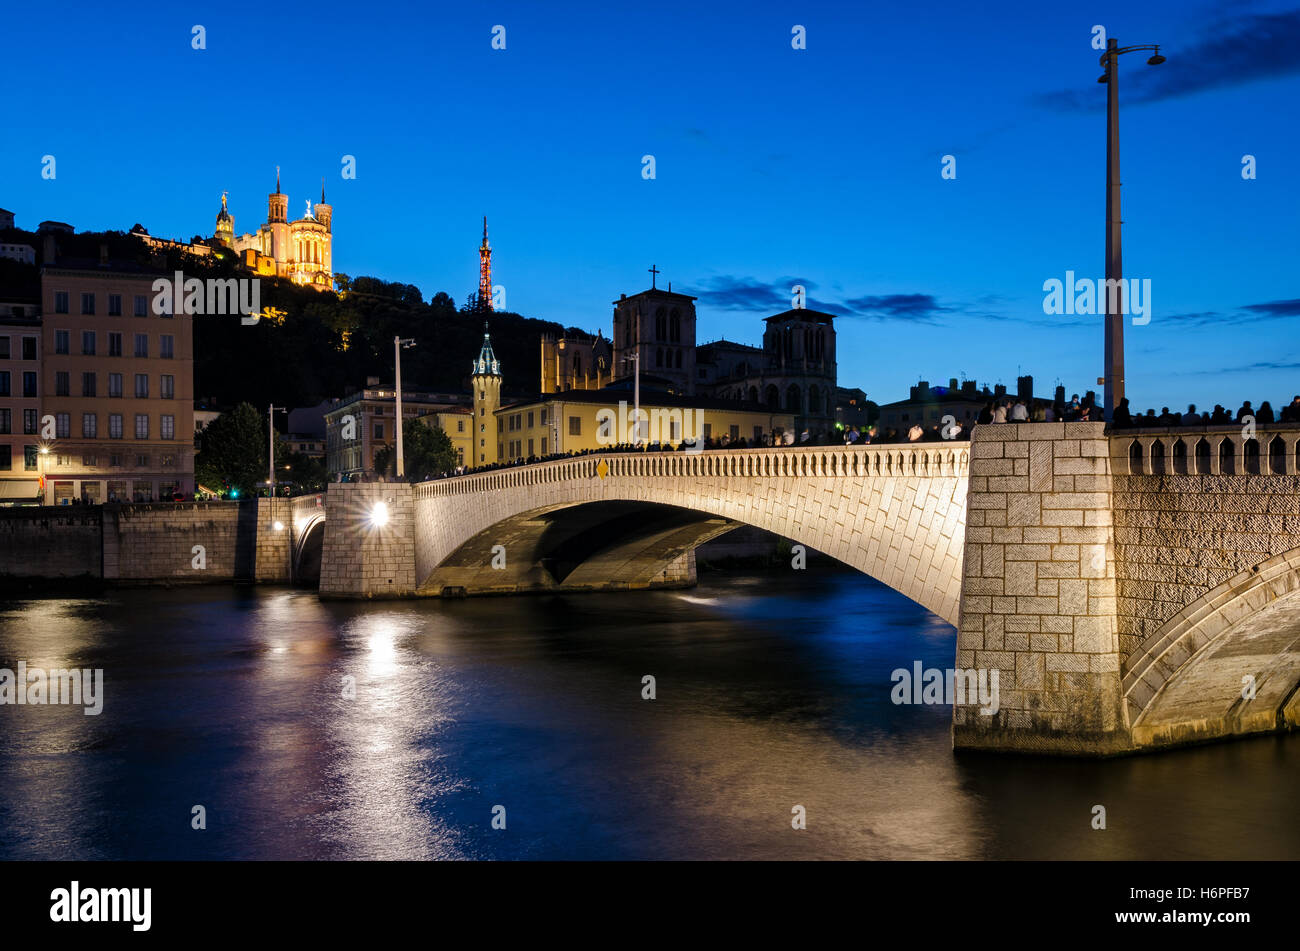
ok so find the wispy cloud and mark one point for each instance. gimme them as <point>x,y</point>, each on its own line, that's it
<point>913,308</point>
<point>1246,314</point>
<point>1228,53</point>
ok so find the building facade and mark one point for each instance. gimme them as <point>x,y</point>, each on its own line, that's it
<point>361,424</point>
<point>20,461</point>
<point>116,389</point>
<point>300,250</point>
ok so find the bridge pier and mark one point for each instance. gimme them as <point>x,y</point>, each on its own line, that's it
<point>1038,594</point>
<point>364,556</point>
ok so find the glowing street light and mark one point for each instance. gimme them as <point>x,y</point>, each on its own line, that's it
<point>379,515</point>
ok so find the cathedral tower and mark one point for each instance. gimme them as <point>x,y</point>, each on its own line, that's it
<point>275,237</point>
<point>485,270</point>
<point>225,231</point>
<point>323,211</point>
<point>485,379</point>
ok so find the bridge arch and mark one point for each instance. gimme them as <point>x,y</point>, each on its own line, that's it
<point>903,523</point>
<point>1185,682</point>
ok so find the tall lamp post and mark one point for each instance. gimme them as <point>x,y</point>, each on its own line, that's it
<point>635,357</point>
<point>1115,302</point>
<point>398,344</point>
<point>270,438</point>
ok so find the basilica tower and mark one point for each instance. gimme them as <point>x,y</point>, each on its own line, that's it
<point>485,379</point>
<point>225,231</point>
<point>275,242</point>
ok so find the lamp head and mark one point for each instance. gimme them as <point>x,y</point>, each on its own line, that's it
<point>1155,60</point>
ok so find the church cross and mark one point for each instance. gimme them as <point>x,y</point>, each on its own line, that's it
<point>653,271</point>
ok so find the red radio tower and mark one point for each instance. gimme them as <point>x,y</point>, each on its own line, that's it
<point>485,270</point>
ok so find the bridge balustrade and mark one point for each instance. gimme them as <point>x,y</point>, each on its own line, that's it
<point>1225,450</point>
<point>884,461</point>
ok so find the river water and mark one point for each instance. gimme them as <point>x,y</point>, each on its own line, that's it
<point>772,691</point>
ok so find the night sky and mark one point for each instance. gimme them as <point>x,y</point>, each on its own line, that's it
<point>774,166</point>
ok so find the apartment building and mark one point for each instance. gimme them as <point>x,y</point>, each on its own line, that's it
<point>20,351</point>
<point>117,382</point>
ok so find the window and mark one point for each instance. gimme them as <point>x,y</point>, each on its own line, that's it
<point>141,305</point>
<point>88,343</point>
<point>530,420</point>
<point>29,458</point>
<point>142,461</point>
<point>115,384</point>
<point>115,460</point>
<point>735,432</point>
<point>141,425</point>
<point>543,445</point>
<point>379,430</point>
<point>4,382</point>
<point>29,383</point>
<point>29,422</point>
<point>88,459</point>
<point>114,345</point>
<point>88,384</point>
<point>142,386</point>
<point>530,447</point>
<point>61,383</point>
<point>6,458</point>
<point>167,386</point>
<point>4,347</point>
<point>6,422</point>
<point>575,425</point>
<point>167,460</point>
<point>115,305</point>
<point>542,418</point>
<point>115,426</point>
<point>61,341</point>
<point>60,302</point>
<point>168,427</point>
<point>460,425</point>
<point>62,461</point>
<point>89,425</point>
<point>29,348</point>
<point>142,345</point>
<point>166,346</point>
<point>63,425</point>
<point>87,303</point>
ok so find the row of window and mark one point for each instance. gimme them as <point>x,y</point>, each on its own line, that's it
<point>89,387</point>
<point>31,460</point>
<point>515,422</point>
<point>89,341</point>
<point>28,348</point>
<point>29,384</point>
<point>89,425</point>
<point>515,448</point>
<point>140,304</point>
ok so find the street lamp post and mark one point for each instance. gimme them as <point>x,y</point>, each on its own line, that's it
<point>1116,303</point>
<point>398,344</point>
<point>636,397</point>
<point>270,438</point>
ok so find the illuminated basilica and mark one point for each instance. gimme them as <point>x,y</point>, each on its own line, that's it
<point>298,250</point>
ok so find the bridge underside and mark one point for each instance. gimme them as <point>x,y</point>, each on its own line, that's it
<point>598,546</point>
<point>1211,695</point>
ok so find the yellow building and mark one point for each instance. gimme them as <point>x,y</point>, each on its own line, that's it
<point>458,423</point>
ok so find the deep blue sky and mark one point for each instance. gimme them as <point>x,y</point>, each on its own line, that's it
<point>773,165</point>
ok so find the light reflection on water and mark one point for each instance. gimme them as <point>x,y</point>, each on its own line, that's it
<point>772,691</point>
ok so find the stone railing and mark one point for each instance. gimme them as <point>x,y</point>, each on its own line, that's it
<point>1206,450</point>
<point>917,460</point>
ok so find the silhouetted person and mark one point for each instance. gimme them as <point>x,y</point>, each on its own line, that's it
<point>1244,411</point>
<point>1191,417</point>
<point>1121,418</point>
<point>1265,413</point>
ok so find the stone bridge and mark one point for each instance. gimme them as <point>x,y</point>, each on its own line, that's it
<point>1132,590</point>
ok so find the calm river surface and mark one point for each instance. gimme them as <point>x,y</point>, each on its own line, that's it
<point>772,691</point>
